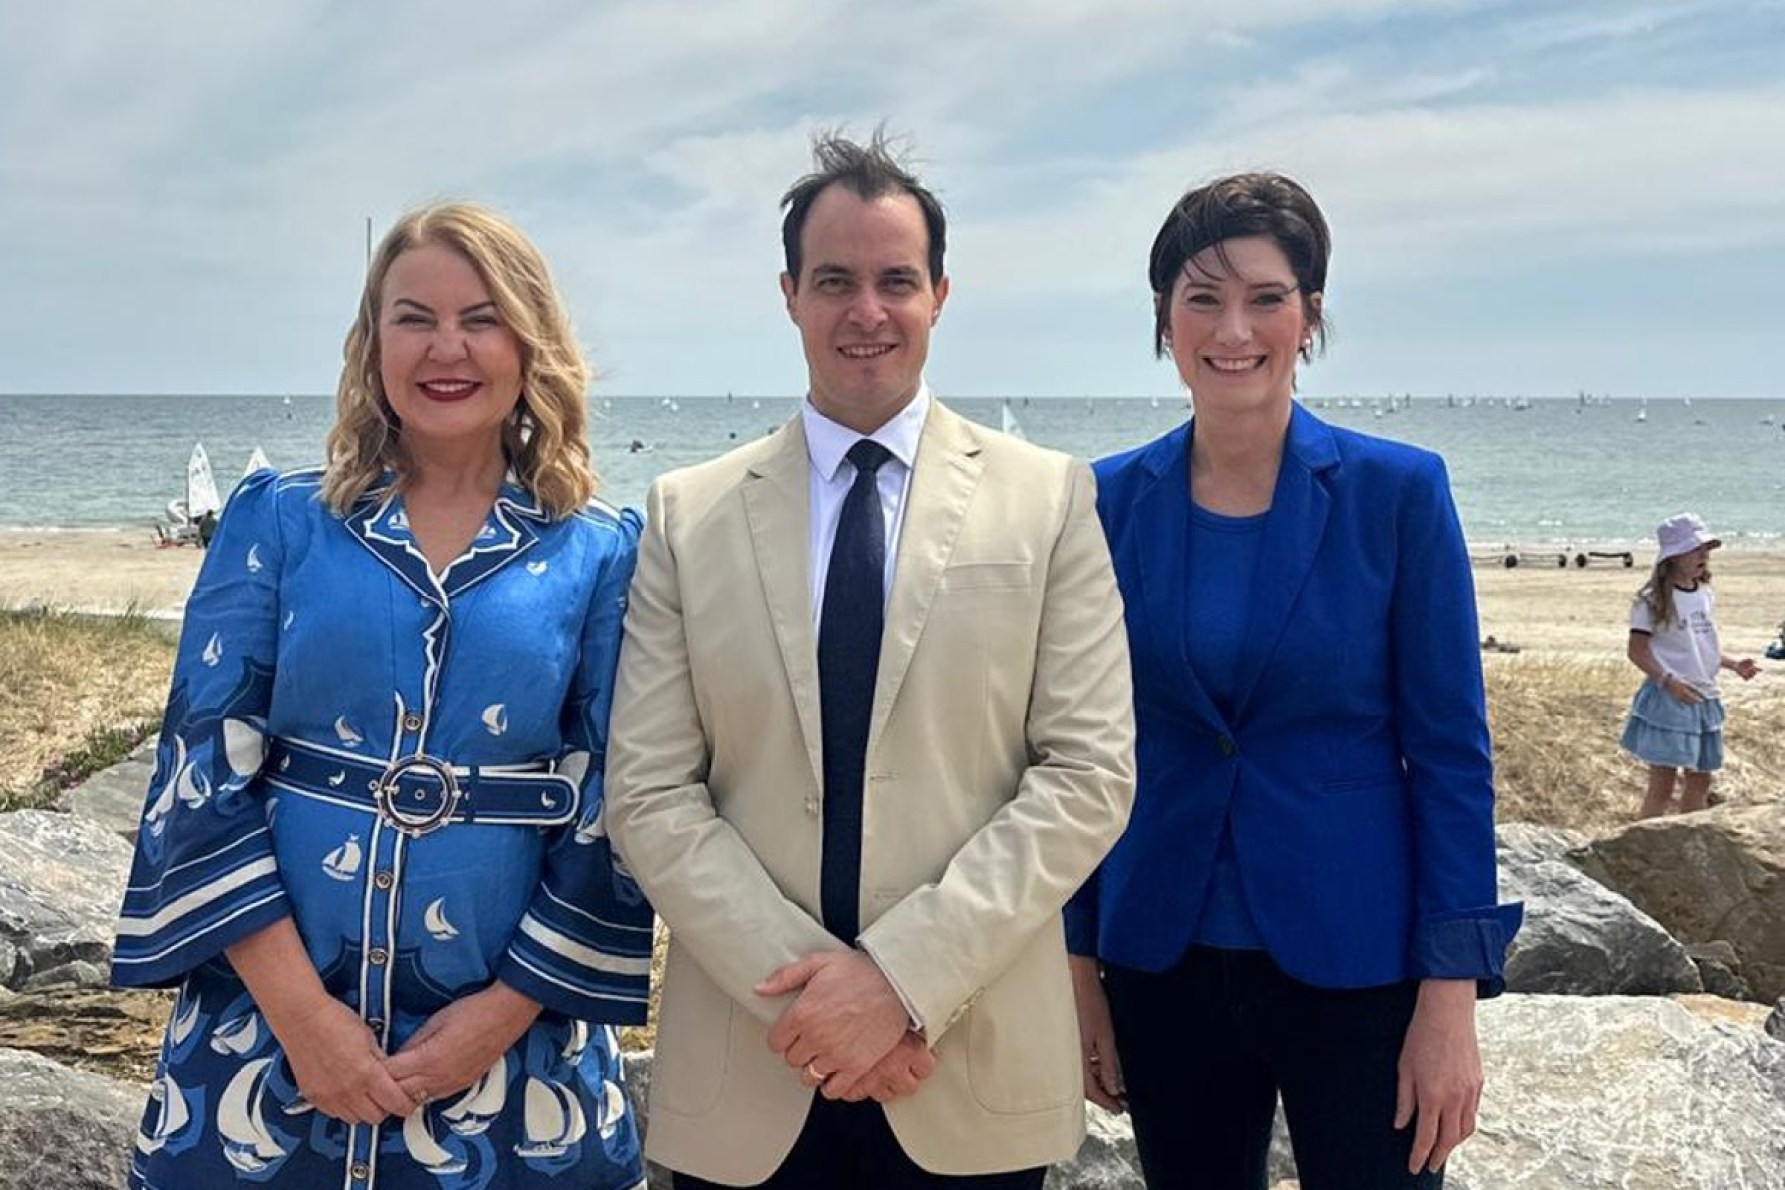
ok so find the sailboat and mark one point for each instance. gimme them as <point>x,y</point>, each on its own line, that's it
<point>183,516</point>
<point>554,1120</point>
<point>257,461</point>
<point>1008,423</point>
<point>247,1143</point>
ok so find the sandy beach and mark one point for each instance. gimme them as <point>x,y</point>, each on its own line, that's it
<point>1574,613</point>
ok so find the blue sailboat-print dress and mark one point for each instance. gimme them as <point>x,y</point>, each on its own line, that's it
<point>408,766</point>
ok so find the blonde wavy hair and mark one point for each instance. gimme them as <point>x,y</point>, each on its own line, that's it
<point>544,439</point>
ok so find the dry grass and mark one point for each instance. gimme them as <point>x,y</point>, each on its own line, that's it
<point>1556,725</point>
<point>65,680</point>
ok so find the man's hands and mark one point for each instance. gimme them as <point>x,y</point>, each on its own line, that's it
<point>847,1032</point>
<point>1440,1072</point>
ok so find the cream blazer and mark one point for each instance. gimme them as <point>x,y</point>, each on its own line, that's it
<point>1000,770</point>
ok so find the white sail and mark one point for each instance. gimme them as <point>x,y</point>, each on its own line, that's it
<point>257,461</point>
<point>185,1017</point>
<point>237,1037</point>
<point>426,1150</point>
<point>245,747</point>
<point>495,718</point>
<point>613,1109</point>
<point>1009,424</point>
<point>241,1127</point>
<point>554,1120</point>
<point>201,486</point>
<point>435,921</point>
<point>343,862</point>
<point>171,1115</point>
<point>471,1113</point>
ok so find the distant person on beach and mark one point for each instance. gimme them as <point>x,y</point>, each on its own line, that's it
<point>1676,718</point>
<point>372,858</point>
<point>1304,903</point>
<point>872,727</point>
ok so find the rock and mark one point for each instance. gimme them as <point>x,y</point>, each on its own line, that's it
<point>1632,1093</point>
<point>63,1129</point>
<point>1718,874</point>
<point>1775,1021</point>
<point>1716,1010</point>
<point>1720,968</point>
<point>1106,1161</point>
<point>1579,937</point>
<point>114,797</point>
<point>61,879</point>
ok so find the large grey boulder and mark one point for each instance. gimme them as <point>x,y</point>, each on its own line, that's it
<point>61,879</point>
<point>63,1129</point>
<point>1623,1092</point>
<point>1579,937</point>
<point>1775,1021</point>
<point>114,797</point>
<point>1705,876</point>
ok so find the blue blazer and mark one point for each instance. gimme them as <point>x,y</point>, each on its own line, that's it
<point>1356,765</point>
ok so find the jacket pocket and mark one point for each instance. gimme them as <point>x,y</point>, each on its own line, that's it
<point>987,576</point>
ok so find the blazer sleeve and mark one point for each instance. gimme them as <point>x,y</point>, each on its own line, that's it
<point>583,948</point>
<point>694,866</point>
<point>944,942</point>
<point>1460,931</point>
<point>204,875</point>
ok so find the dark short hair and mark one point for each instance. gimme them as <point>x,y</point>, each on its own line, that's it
<point>1234,207</point>
<point>871,171</point>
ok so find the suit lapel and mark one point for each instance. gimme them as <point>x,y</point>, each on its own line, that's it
<point>1162,509</point>
<point>1292,534</point>
<point>942,483</point>
<point>776,504</point>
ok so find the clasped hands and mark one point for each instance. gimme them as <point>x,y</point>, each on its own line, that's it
<point>847,1032</point>
<point>342,1072</point>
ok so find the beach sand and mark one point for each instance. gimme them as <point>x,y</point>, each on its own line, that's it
<point>1580,614</point>
<point>95,571</point>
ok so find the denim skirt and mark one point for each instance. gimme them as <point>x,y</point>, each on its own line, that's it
<point>1665,731</point>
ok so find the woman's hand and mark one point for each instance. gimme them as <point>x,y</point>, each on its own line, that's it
<point>456,1045</point>
<point>334,1057</point>
<point>1097,1037</point>
<point>1439,1075</point>
<point>339,1068</point>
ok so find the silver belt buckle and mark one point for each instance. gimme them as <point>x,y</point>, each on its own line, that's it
<point>388,796</point>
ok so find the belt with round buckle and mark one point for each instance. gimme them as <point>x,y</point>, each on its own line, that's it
<point>389,795</point>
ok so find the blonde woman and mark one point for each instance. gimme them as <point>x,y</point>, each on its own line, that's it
<point>371,858</point>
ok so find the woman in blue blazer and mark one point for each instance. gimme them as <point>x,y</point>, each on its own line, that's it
<point>1303,904</point>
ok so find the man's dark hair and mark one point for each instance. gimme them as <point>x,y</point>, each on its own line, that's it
<point>871,171</point>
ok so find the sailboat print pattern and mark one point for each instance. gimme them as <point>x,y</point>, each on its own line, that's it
<point>333,632</point>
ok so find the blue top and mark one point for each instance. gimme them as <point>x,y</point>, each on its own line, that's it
<point>328,641</point>
<point>1215,604</point>
<point>1351,766</point>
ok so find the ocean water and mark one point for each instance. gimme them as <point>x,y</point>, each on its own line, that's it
<point>1558,473</point>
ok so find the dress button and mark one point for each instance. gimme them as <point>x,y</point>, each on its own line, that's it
<point>360,1171</point>
<point>411,722</point>
<point>1228,747</point>
<point>384,880</point>
<point>376,1025</point>
<point>378,956</point>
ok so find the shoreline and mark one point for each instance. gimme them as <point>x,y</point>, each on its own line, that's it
<point>1569,611</point>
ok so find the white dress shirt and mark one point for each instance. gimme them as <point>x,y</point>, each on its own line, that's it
<point>832,475</point>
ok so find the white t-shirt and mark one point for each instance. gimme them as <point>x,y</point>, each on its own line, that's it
<point>1687,647</point>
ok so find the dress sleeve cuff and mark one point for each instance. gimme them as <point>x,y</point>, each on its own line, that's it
<point>1467,944</point>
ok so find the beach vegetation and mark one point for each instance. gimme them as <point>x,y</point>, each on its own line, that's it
<point>77,693</point>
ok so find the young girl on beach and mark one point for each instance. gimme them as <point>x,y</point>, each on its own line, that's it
<point>1676,719</point>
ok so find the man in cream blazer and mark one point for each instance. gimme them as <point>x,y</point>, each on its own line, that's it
<point>938,1044</point>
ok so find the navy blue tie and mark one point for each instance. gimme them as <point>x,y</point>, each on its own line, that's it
<point>848,659</point>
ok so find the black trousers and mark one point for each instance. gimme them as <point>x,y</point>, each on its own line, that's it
<point>1207,1047</point>
<point>850,1146</point>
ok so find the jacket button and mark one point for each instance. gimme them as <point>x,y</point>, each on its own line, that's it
<point>411,722</point>
<point>812,806</point>
<point>1228,747</point>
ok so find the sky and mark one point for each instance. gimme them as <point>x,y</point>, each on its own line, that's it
<point>1527,196</point>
